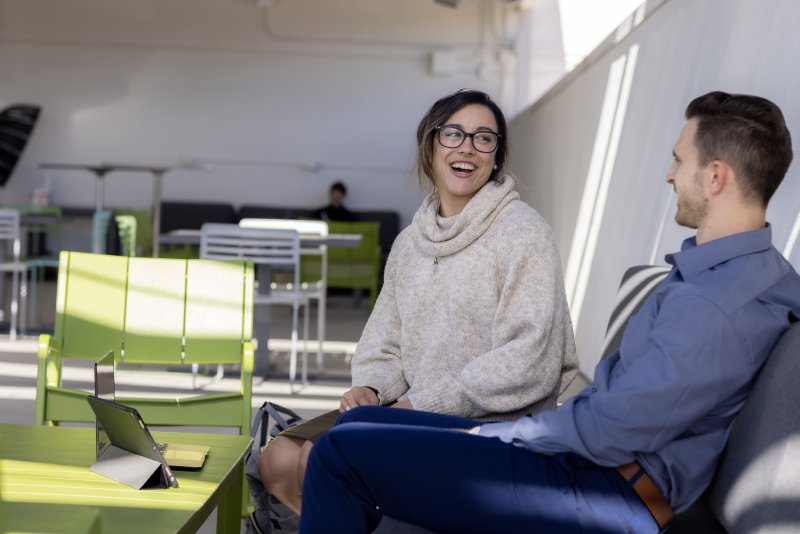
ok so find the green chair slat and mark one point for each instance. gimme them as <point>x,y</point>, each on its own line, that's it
<point>215,301</point>
<point>154,311</point>
<point>90,304</point>
<point>203,410</point>
<point>68,405</point>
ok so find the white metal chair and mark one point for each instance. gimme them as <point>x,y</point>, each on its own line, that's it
<point>272,248</point>
<point>316,290</point>
<point>10,234</point>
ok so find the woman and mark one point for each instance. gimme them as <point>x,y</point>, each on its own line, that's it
<point>472,319</point>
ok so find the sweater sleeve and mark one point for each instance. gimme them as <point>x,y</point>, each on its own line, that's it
<point>376,362</point>
<point>533,352</point>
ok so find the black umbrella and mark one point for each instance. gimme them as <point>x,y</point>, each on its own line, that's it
<point>16,125</point>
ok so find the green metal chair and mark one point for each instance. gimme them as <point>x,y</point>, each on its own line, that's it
<point>144,231</point>
<point>350,268</point>
<point>135,230</point>
<point>179,251</point>
<point>150,311</point>
<point>126,229</point>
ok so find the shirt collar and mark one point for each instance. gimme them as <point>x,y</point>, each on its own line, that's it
<point>693,259</point>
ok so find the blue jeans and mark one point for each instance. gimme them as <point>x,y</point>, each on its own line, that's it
<point>414,467</point>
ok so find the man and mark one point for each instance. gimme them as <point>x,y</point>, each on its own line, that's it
<point>335,211</point>
<point>643,440</point>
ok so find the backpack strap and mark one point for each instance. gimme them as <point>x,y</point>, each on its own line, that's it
<point>283,417</point>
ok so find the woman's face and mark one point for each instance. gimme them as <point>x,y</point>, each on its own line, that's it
<point>460,172</point>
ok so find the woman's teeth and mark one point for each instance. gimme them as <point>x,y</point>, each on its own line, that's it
<point>462,166</point>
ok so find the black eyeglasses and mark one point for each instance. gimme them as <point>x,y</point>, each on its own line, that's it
<point>453,137</point>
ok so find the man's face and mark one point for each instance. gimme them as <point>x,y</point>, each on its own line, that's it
<point>336,198</point>
<point>686,177</point>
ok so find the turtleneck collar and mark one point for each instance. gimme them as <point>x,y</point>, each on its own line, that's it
<point>444,236</point>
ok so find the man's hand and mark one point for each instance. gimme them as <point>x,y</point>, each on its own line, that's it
<point>358,396</point>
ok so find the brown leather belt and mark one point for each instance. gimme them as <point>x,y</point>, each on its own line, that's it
<point>648,492</point>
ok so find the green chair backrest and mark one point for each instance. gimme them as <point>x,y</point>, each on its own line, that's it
<point>353,268</point>
<point>126,229</point>
<point>142,236</point>
<point>344,263</point>
<point>147,310</point>
<point>366,251</point>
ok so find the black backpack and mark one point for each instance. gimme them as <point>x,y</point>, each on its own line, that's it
<point>270,515</point>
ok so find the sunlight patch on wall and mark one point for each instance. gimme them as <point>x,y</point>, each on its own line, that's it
<point>598,180</point>
<point>792,241</point>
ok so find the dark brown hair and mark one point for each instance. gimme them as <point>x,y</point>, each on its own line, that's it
<point>748,133</point>
<point>443,109</point>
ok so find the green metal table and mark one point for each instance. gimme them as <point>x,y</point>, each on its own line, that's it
<point>46,485</point>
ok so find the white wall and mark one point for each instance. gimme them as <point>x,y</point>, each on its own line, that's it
<point>680,49</point>
<point>540,50</point>
<point>289,98</point>
<point>282,100</point>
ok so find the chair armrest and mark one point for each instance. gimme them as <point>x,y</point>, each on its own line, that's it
<point>248,356</point>
<point>48,373</point>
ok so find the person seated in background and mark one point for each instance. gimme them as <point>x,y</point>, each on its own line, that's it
<point>644,439</point>
<point>472,319</point>
<point>335,211</point>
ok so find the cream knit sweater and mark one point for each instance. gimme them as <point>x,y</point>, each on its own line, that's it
<point>472,319</point>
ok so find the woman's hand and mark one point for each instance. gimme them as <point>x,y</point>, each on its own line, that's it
<point>405,404</point>
<point>358,396</point>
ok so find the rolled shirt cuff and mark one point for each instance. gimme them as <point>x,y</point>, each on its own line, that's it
<point>504,431</point>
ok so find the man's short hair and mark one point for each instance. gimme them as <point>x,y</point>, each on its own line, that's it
<point>749,134</point>
<point>339,186</point>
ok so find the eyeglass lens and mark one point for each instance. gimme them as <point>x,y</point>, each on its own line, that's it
<point>454,137</point>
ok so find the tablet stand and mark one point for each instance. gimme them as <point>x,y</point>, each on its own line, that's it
<point>130,469</point>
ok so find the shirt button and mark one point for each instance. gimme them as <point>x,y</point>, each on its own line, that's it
<point>593,389</point>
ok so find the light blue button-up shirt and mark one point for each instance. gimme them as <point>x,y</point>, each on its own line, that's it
<point>668,397</point>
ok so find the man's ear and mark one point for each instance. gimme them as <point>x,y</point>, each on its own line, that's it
<point>720,177</point>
